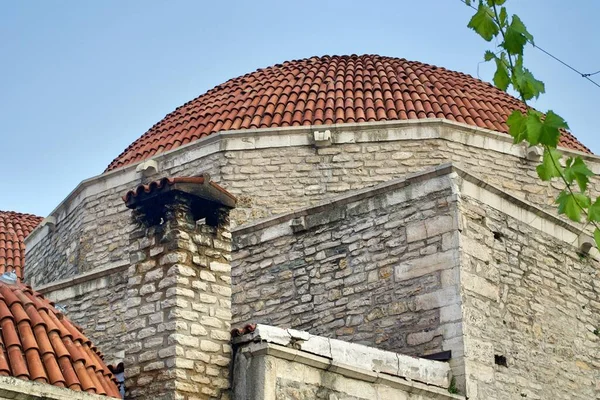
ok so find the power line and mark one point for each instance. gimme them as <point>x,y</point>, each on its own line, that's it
<point>583,75</point>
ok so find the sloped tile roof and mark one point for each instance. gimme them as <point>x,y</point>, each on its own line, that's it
<point>14,228</point>
<point>39,343</point>
<point>327,90</point>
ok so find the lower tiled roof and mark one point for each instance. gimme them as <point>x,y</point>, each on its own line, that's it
<point>39,343</point>
<point>14,228</point>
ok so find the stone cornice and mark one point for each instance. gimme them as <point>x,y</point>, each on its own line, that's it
<point>382,131</point>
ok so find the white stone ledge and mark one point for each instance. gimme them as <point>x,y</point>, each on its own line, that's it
<point>13,388</point>
<point>83,283</point>
<point>337,353</point>
<point>348,371</point>
<point>380,131</point>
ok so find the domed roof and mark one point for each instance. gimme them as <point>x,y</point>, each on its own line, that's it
<point>38,343</point>
<point>327,90</point>
<point>14,228</point>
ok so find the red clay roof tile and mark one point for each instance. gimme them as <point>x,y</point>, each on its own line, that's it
<point>14,228</point>
<point>318,83</point>
<point>39,343</point>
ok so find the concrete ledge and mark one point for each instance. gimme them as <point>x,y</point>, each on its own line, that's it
<point>83,283</point>
<point>347,370</point>
<point>13,388</point>
<point>347,356</point>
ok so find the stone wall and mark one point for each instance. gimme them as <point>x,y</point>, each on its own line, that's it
<point>99,306</point>
<point>531,309</point>
<point>282,174</point>
<point>378,268</point>
<point>179,306</point>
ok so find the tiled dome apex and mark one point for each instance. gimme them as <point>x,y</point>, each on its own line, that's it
<point>38,343</point>
<point>14,228</point>
<point>327,90</point>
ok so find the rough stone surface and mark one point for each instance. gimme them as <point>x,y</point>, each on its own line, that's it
<point>272,181</point>
<point>532,299</point>
<point>175,346</point>
<point>352,274</point>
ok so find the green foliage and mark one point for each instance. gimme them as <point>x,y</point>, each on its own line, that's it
<point>545,132</point>
<point>516,36</point>
<point>550,166</point>
<point>483,22</point>
<point>491,22</point>
<point>577,171</point>
<point>452,388</point>
<point>571,204</point>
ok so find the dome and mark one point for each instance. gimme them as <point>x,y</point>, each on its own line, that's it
<point>14,228</point>
<point>38,343</point>
<point>328,90</point>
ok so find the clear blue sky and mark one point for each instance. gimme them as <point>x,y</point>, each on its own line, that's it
<point>81,80</point>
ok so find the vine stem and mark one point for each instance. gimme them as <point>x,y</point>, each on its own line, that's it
<point>546,147</point>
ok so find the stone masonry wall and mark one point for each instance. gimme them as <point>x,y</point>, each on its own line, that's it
<point>380,271</point>
<point>179,309</point>
<point>99,307</point>
<point>531,308</point>
<point>271,181</point>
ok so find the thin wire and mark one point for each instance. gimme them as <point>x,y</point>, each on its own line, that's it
<point>585,76</point>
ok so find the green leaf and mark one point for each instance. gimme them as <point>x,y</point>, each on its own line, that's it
<point>483,22</point>
<point>571,204</point>
<point>594,212</point>
<point>503,16</point>
<point>524,81</point>
<point>577,171</point>
<point>516,36</point>
<point>502,76</point>
<point>545,132</point>
<point>597,237</point>
<point>516,126</point>
<point>489,55</point>
<point>550,166</point>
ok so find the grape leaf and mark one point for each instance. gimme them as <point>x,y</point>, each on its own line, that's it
<point>501,77</point>
<point>483,23</point>
<point>488,56</point>
<point>516,36</point>
<point>524,81</point>
<point>570,204</point>
<point>545,132</point>
<point>597,237</point>
<point>577,171</point>
<point>550,166</point>
<point>594,211</point>
<point>516,126</point>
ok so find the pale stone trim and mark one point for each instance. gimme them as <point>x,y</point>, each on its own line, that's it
<point>83,283</point>
<point>353,355</point>
<point>13,388</point>
<point>278,225</point>
<point>468,185</point>
<point>349,371</point>
<point>380,131</point>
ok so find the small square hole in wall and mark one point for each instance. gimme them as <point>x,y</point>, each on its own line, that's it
<point>500,360</point>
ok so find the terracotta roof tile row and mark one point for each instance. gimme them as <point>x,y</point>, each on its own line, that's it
<point>39,343</point>
<point>159,184</point>
<point>328,90</point>
<point>243,331</point>
<point>14,228</point>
